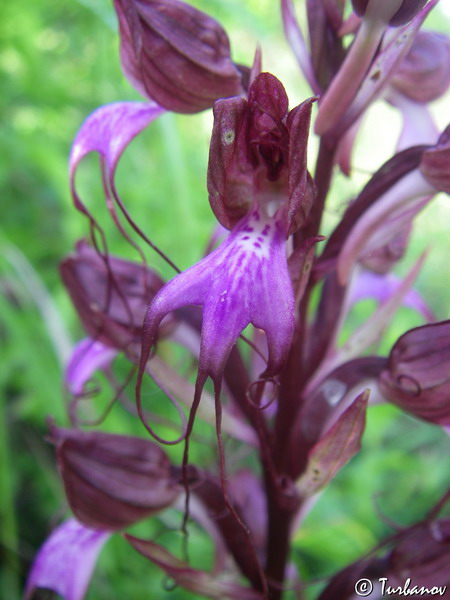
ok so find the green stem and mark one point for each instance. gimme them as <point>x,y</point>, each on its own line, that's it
<point>8,531</point>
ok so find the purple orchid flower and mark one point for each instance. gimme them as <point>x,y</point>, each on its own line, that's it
<point>257,168</point>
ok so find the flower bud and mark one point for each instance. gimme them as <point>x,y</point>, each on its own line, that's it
<point>424,73</point>
<point>258,155</point>
<point>176,54</point>
<point>111,295</point>
<point>396,13</point>
<point>423,554</point>
<point>417,377</point>
<point>112,481</point>
<point>435,164</point>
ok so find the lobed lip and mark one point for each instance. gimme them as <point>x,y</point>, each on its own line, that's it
<point>245,280</point>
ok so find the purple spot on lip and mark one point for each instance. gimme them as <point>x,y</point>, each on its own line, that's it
<point>246,237</point>
<point>266,230</point>
<point>257,245</point>
<point>259,238</point>
<point>256,215</point>
<point>248,229</point>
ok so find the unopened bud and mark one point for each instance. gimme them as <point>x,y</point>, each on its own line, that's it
<point>176,55</point>
<point>394,12</point>
<point>112,481</point>
<point>424,73</point>
<point>417,377</point>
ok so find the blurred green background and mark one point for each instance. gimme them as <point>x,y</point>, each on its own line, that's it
<point>58,62</point>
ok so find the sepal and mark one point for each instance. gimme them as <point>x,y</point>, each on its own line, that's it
<point>335,448</point>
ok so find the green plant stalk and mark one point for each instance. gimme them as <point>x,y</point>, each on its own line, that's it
<point>9,581</point>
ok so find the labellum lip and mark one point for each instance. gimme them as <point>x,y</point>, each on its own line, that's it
<point>223,283</point>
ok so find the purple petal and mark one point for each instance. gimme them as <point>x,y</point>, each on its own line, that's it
<point>66,561</point>
<point>245,280</point>
<point>370,331</point>
<point>88,356</point>
<point>109,130</point>
<point>382,288</point>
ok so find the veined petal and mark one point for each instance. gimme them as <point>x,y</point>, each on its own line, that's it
<point>109,130</point>
<point>65,562</point>
<point>88,356</point>
<point>245,280</point>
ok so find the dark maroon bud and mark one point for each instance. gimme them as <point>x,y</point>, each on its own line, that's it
<point>424,73</point>
<point>111,295</point>
<point>342,584</point>
<point>176,55</point>
<point>435,165</point>
<point>258,155</point>
<point>417,377</point>
<point>423,555</point>
<point>112,481</point>
<point>397,13</point>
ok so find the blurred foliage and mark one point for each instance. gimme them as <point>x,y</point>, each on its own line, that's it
<point>58,62</point>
